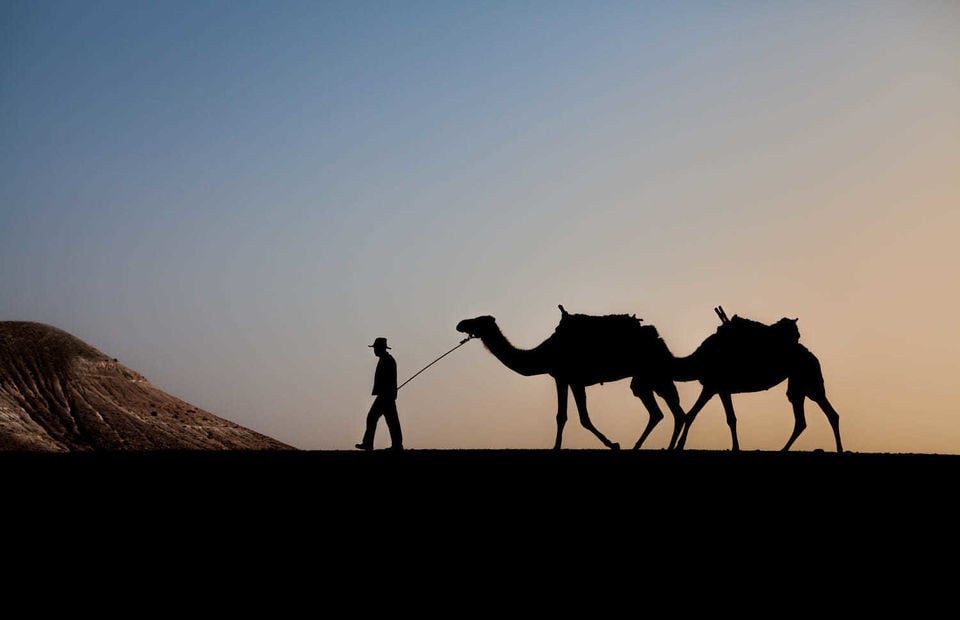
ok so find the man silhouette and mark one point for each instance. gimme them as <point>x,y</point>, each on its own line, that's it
<point>385,403</point>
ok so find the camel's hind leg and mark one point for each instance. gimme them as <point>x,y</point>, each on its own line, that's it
<point>580,397</point>
<point>799,419</point>
<point>561,412</point>
<point>646,397</point>
<point>832,416</point>
<point>818,396</point>
<point>731,419</point>
<point>809,384</point>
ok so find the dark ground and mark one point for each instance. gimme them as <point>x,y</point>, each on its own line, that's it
<point>628,486</point>
<point>630,522</point>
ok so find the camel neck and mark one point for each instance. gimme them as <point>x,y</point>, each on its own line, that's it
<point>526,362</point>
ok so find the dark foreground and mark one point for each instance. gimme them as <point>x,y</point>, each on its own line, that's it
<point>471,485</point>
<point>488,526</point>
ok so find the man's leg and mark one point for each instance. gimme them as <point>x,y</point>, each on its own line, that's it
<point>393,424</point>
<point>373,416</point>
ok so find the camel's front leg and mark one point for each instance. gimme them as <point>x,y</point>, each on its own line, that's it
<point>580,397</point>
<point>561,412</point>
<point>668,392</point>
<point>703,399</point>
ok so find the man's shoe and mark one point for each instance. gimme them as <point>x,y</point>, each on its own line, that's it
<point>361,446</point>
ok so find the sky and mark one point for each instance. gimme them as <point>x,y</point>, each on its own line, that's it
<point>235,198</point>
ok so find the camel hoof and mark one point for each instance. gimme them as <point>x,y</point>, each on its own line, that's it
<point>614,446</point>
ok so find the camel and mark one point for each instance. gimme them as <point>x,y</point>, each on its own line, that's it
<point>586,350</point>
<point>748,356</point>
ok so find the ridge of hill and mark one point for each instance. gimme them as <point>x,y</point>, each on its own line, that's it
<point>60,394</point>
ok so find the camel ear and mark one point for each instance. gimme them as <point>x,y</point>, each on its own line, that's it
<point>795,320</point>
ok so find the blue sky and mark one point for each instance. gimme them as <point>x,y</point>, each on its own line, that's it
<point>235,198</point>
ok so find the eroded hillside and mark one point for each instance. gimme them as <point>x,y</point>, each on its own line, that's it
<point>58,393</point>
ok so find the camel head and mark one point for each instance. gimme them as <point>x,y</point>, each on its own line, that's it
<point>478,327</point>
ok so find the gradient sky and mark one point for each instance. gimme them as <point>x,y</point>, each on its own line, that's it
<point>235,198</point>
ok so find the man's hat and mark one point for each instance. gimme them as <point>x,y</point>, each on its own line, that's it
<point>379,341</point>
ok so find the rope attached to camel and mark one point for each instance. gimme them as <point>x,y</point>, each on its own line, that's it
<point>462,342</point>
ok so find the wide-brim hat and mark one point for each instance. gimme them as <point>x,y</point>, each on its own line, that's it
<point>379,342</point>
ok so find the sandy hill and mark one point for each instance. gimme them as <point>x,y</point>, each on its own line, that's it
<point>59,394</point>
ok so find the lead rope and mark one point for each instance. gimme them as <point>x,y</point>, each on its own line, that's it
<point>462,342</point>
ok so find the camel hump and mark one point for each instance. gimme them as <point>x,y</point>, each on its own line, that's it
<point>602,326</point>
<point>740,323</point>
<point>748,329</point>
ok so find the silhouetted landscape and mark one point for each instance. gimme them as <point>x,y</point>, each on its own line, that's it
<point>232,232</point>
<point>91,443</point>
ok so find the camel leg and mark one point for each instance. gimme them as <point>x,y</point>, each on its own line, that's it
<point>703,399</point>
<point>646,396</point>
<point>731,419</point>
<point>561,412</point>
<point>832,416</point>
<point>818,396</point>
<point>807,381</point>
<point>668,392</point>
<point>580,397</point>
<point>799,420</point>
